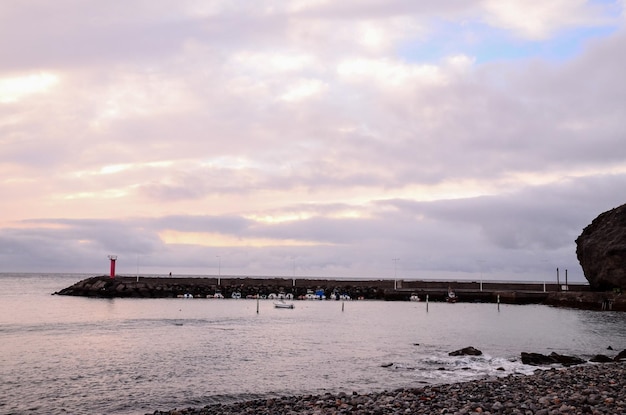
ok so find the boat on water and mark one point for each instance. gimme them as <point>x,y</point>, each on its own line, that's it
<point>186,295</point>
<point>337,296</point>
<point>284,305</point>
<point>314,295</point>
<point>451,298</point>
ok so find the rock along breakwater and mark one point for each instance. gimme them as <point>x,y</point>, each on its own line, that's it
<point>163,287</point>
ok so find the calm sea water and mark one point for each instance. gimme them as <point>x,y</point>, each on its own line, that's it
<point>133,356</point>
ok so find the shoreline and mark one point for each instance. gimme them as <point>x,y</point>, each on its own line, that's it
<point>589,389</point>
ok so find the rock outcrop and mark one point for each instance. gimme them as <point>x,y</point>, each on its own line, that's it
<point>601,250</point>
<point>538,359</point>
<point>466,351</point>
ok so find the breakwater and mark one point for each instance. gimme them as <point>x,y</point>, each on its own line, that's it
<point>576,296</point>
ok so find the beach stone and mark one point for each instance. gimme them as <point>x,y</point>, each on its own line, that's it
<point>601,250</point>
<point>583,389</point>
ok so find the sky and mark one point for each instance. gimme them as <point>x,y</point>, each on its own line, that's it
<point>435,139</point>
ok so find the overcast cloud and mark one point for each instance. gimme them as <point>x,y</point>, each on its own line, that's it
<point>471,140</point>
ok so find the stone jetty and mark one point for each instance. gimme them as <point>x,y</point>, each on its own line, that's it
<point>164,287</point>
<point>576,296</point>
<point>584,389</point>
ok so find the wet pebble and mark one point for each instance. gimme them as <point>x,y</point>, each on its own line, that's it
<point>586,389</point>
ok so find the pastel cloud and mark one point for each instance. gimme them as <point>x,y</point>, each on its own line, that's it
<point>542,20</point>
<point>324,131</point>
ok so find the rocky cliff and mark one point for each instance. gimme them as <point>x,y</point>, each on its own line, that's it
<point>601,250</point>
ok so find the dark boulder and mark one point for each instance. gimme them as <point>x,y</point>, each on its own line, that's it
<point>466,351</point>
<point>538,359</point>
<point>601,250</point>
<point>600,358</point>
<point>567,360</point>
<point>621,356</point>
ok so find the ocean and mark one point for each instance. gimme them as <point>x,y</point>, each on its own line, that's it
<point>76,355</point>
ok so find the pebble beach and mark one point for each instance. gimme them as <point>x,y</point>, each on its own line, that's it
<point>584,389</point>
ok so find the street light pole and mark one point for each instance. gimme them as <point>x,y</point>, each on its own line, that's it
<point>395,273</point>
<point>219,269</point>
<point>481,262</point>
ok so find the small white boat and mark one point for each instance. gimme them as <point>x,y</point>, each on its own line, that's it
<point>451,298</point>
<point>284,305</point>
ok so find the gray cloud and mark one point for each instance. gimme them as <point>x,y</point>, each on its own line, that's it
<point>205,118</point>
<point>523,235</point>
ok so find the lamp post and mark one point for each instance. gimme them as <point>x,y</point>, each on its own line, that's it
<point>480,264</point>
<point>219,269</point>
<point>395,273</point>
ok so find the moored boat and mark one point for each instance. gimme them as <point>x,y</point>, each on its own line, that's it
<point>451,298</point>
<point>284,305</point>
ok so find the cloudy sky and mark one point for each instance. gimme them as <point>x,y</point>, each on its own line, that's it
<point>355,138</point>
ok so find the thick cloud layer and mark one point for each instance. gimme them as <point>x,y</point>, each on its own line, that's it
<point>468,139</point>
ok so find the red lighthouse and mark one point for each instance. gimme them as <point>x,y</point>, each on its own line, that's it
<point>113,258</point>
